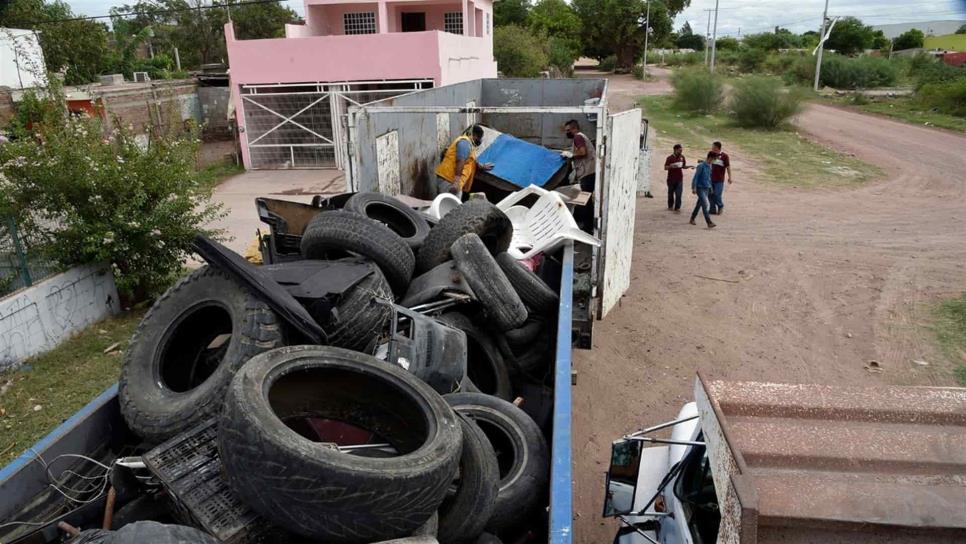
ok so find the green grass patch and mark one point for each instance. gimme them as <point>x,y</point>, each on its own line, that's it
<point>60,382</point>
<point>905,109</point>
<point>785,157</point>
<point>213,175</point>
<point>950,329</point>
<point>953,42</point>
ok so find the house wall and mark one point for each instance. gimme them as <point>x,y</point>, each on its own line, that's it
<point>158,106</point>
<point>37,319</point>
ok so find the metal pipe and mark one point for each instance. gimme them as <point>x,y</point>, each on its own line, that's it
<point>109,508</point>
<point>640,532</point>
<point>661,426</point>
<point>707,38</point>
<point>666,441</point>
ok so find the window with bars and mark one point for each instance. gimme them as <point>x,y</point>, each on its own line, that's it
<point>453,22</point>
<point>363,22</point>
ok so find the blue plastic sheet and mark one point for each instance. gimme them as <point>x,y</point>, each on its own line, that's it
<point>520,162</point>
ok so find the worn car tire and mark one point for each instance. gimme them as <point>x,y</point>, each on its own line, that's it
<point>533,361</point>
<point>409,224</point>
<point>333,234</point>
<point>361,314</point>
<point>486,370</point>
<point>499,300</point>
<point>142,532</point>
<point>477,216</point>
<point>521,455</point>
<point>525,334</point>
<point>465,512</point>
<point>535,293</point>
<point>279,398</point>
<point>171,379</point>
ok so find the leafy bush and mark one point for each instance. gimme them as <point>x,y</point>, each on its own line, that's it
<point>858,73</point>
<point>677,59</point>
<point>696,91</point>
<point>518,52</point>
<point>762,102</point>
<point>931,70</point>
<point>562,53</point>
<point>801,71</point>
<point>607,64</point>
<point>90,198</point>
<point>724,44</point>
<point>946,97</point>
<point>750,59</point>
<point>779,64</point>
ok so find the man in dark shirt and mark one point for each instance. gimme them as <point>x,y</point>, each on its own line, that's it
<point>719,167</point>
<point>675,164</point>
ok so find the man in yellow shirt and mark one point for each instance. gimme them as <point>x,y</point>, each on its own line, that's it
<point>456,171</point>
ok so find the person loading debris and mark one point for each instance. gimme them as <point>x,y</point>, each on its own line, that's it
<point>584,158</point>
<point>458,166</point>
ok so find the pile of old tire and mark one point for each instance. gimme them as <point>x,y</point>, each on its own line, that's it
<point>288,411</point>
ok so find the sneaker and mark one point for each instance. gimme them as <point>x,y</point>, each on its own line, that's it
<point>711,225</point>
<point>692,222</point>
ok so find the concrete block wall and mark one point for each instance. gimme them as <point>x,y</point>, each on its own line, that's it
<point>37,319</point>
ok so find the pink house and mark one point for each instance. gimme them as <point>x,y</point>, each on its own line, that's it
<point>290,94</point>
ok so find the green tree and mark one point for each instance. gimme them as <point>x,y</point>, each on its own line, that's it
<point>879,41</point>
<point>79,46</point>
<point>687,39</point>
<point>617,27</point>
<point>518,52</point>
<point>961,30</point>
<point>510,12</point>
<point>554,18</point>
<point>849,37</point>
<point>910,39</point>
<point>773,41</point>
<point>261,20</point>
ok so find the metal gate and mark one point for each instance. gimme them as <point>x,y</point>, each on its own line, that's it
<point>618,206</point>
<point>299,125</point>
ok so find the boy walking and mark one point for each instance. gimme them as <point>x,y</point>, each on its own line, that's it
<point>719,166</point>
<point>701,186</point>
<point>675,164</point>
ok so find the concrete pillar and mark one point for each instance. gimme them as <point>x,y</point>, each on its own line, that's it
<point>383,18</point>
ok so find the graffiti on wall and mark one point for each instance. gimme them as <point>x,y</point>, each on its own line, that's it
<point>37,319</point>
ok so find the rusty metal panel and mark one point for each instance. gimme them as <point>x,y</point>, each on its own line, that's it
<point>617,194</point>
<point>387,162</point>
<point>840,464</point>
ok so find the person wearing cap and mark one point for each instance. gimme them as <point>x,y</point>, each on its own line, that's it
<point>719,167</point>
<point>675,164</point>
<point>458,167</point>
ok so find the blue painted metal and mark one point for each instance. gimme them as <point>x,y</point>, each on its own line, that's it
<point>30,454</point>
<point>561,467</point>
<point>520,162</point>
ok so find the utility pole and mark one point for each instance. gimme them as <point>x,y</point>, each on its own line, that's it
<point>821,46</point>
<point>707,38</point>
<point>647,33</point>
<point>714,35</point>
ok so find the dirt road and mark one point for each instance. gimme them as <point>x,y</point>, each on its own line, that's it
<point>814,285</point>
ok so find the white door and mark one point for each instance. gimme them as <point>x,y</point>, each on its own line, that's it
<point>617,193</point>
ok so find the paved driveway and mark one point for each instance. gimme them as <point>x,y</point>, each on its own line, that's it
<point>239,192</point>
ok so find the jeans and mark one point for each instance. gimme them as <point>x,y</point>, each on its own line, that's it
<point>717,191</point>
<point>674,191</point>
<point>585,214</point>
<point>702,204</point>
<point>443,186</point>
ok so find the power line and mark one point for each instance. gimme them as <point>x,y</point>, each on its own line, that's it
<point>154,12</point>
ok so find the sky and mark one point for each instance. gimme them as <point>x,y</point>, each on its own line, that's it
<point>738,16</point>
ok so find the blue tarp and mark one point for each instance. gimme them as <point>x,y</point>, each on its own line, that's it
<point>520,162</point>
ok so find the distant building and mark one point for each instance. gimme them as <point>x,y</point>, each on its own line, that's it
<point>289,93</point>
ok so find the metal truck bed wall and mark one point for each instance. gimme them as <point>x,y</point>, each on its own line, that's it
<point>99,424</point>
<point>832,464</point>
<point>410,142</point>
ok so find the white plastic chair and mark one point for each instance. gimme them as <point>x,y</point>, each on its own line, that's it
<point>544,226</point>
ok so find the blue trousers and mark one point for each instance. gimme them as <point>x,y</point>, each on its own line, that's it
<point>702,204</point>
<point>717,191</point>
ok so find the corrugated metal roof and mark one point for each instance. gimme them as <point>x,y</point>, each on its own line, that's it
<point>818,463</point>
